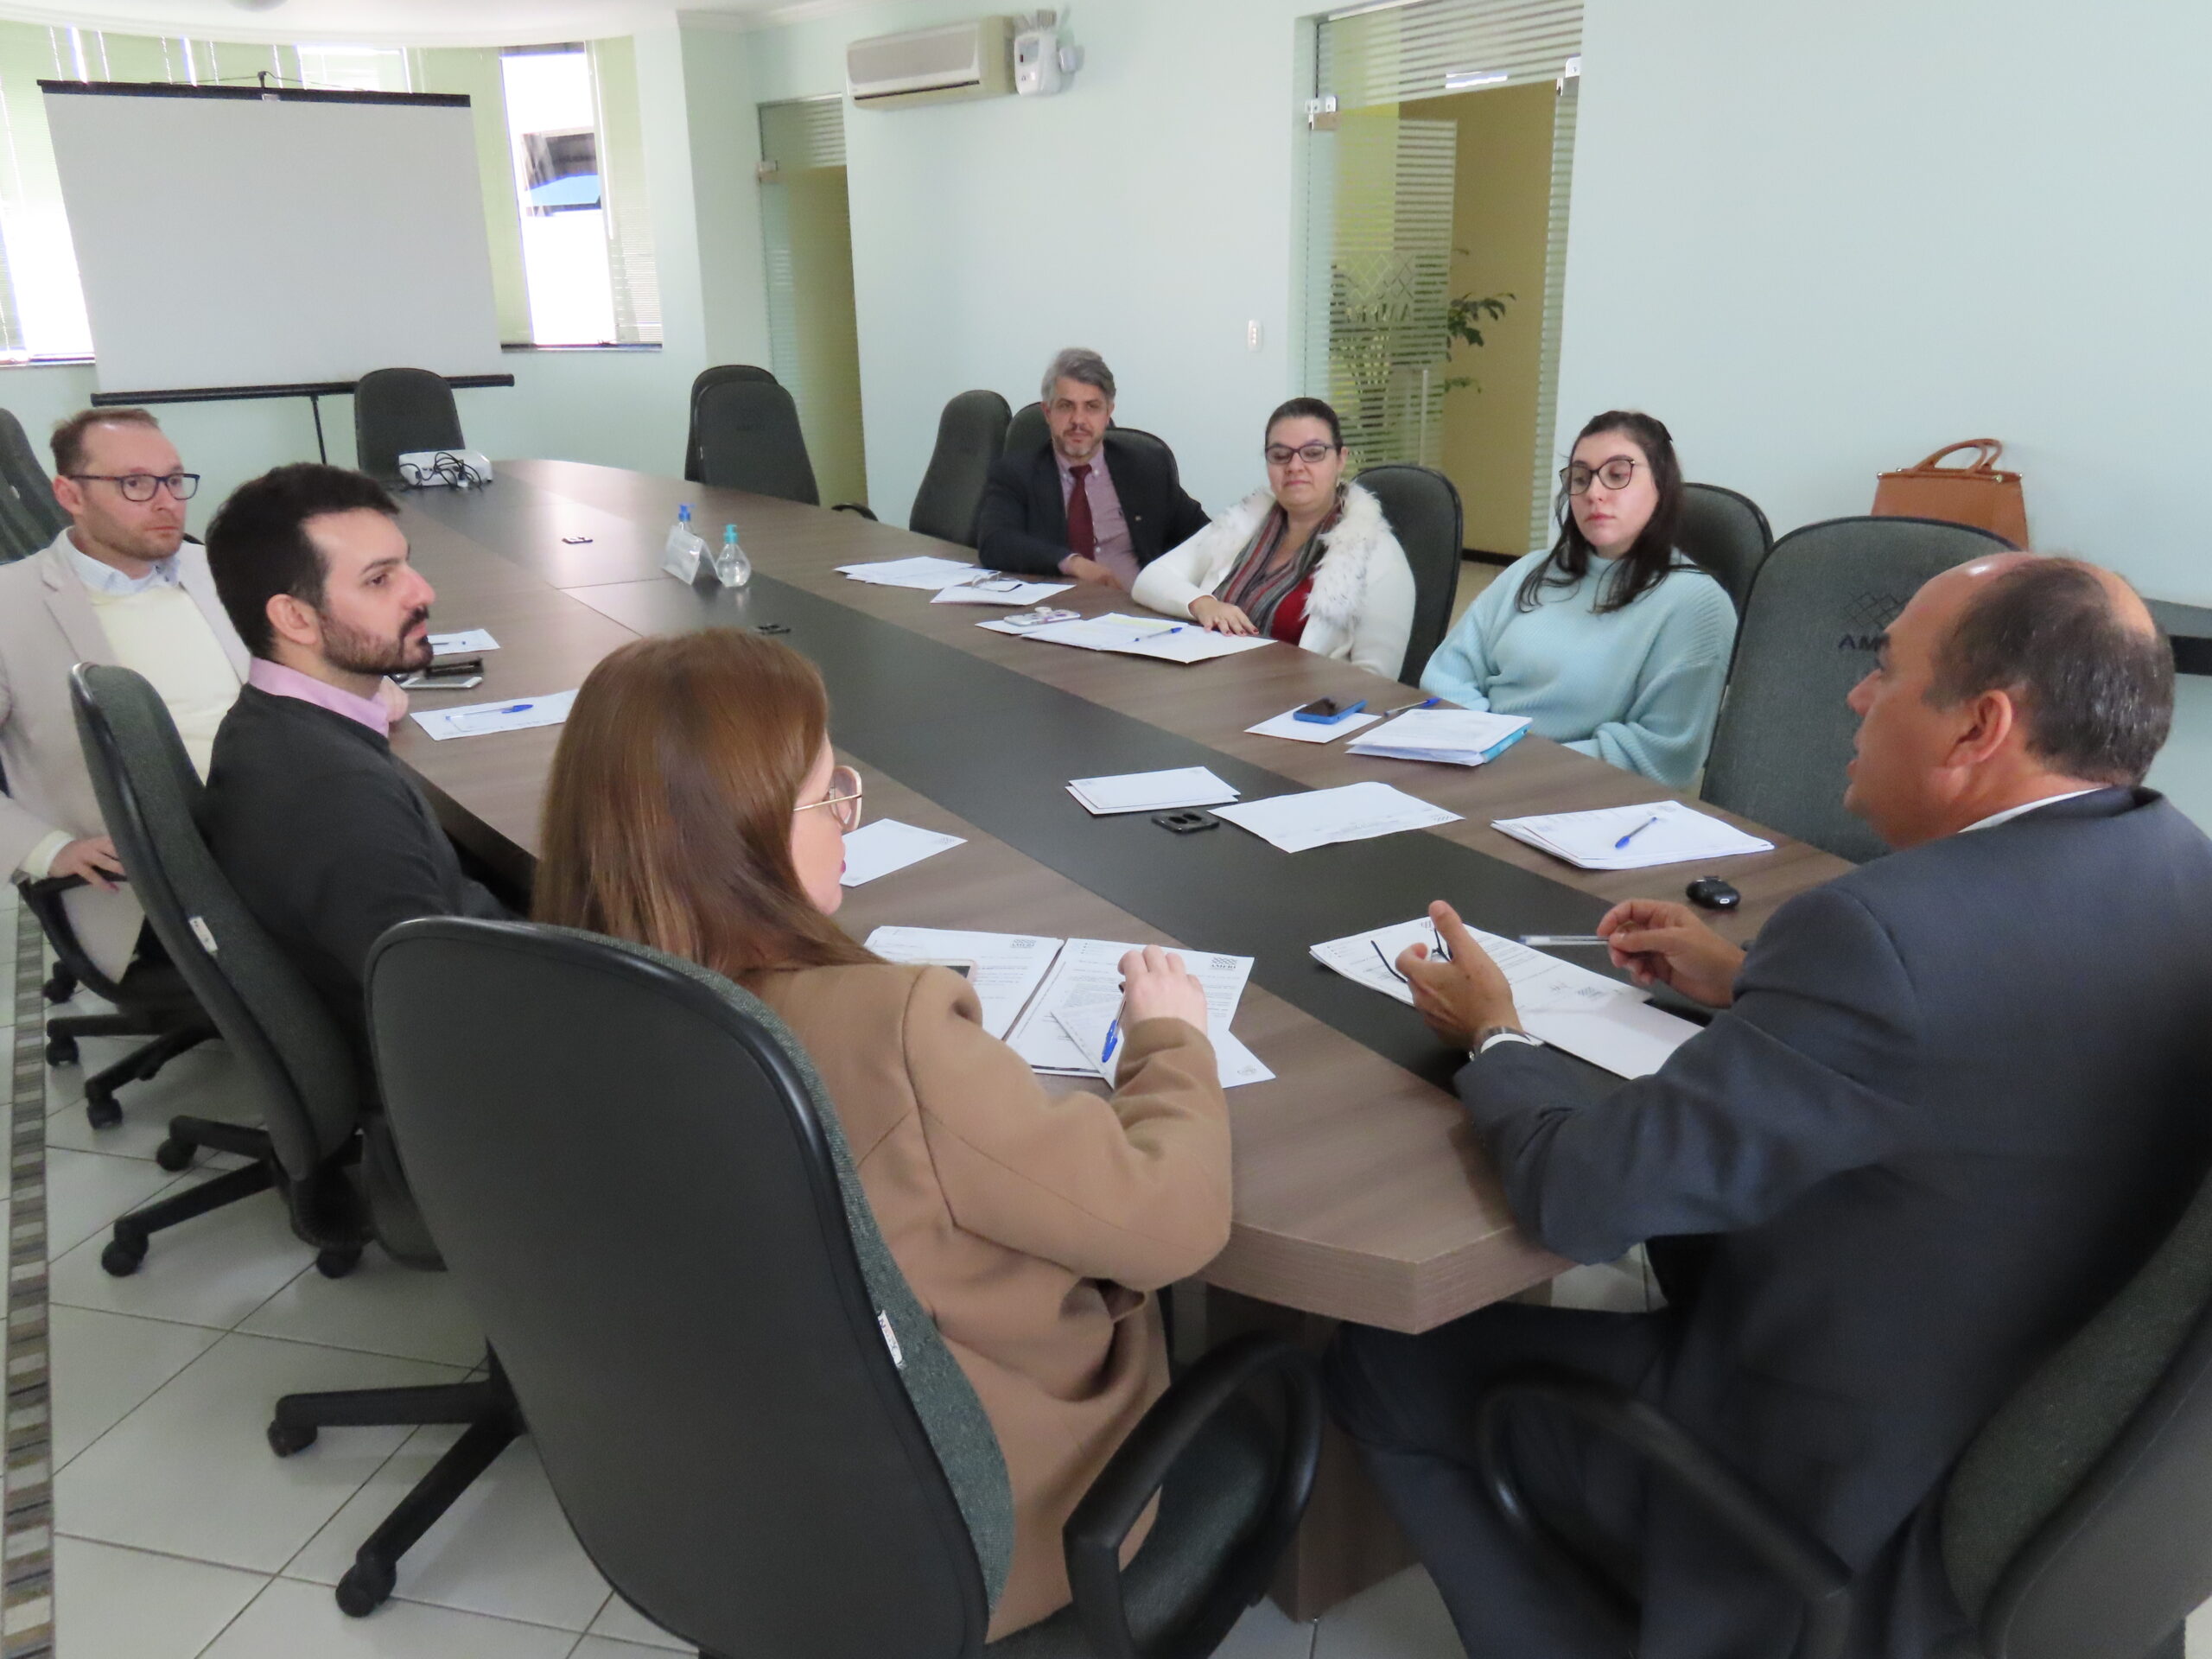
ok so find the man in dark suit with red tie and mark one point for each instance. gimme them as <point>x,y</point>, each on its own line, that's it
<point>1095,503</point>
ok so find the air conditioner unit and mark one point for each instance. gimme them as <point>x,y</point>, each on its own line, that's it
<point>933,65</point>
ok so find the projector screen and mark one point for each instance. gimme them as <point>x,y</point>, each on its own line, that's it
<point>234,238</point>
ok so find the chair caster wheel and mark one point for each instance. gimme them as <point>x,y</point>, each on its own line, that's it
<point>58,989</point>
<point>103,1111</point>
<point>284,1440</point>
<point>365,1588</point>
<point>338,1260</point>
<point>123,1254</point>
<point>175,1156</point>
<point>61,1051</point>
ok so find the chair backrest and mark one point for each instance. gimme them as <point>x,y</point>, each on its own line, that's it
<point>1424,511</point>
<point>30,516</point>
<point>1725,534</point>
<point>397,411</point>
<point>634,1172</point>
<point>294,1058</point>
<point>1026,432</point>
<point>719,374</point>
<point>970,436</point>
<point>1821,601</point>
<point>2078,1525</point>
<point>749,439</point>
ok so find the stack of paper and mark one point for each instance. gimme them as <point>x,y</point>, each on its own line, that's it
<point>1600,1019</point>
<point>1289,725</point>
<point>886,845</point>
<point>1139,636</point>
<point>1152,792</point>
<point>1459,737</point>
<point>481,719</point>
<point>1632,838</point>
<point>454,644</point>
<point>1004,968</point>
<point>1355,813</point>
<point>925,572</point>
<point>1084,990</point>
<point>990,589</point>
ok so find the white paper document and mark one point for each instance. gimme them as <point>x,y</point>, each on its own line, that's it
<point>1152,792</point>
<point>886,845</point>
<point>1355,813</point>
<point>481,719</point>
<point>452,644</point>
<point>1088,976</point>
<point>1663,832</point>
<point>1458,737</point>
<point>1139,636</point>
<point>1087,1028</point>
<point>1599,1020</point>
<point>1004,590</point>
<point>1004,968</point>
<point>1288,724</point>
<point>925,572</point>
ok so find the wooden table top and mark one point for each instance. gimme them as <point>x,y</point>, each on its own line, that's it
<point>1361,1192</point>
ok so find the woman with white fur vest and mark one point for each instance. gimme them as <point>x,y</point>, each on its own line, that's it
<point>1310,560</point>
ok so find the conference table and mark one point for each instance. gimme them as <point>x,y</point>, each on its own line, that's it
<point>1361,1192</point>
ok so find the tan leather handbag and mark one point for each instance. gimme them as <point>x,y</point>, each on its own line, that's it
<point>1977,494</point>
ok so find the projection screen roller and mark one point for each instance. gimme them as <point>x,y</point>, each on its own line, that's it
<point>234,236</point>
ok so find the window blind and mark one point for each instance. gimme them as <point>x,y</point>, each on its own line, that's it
<point>1390,53</point>
<point>1543,487</point>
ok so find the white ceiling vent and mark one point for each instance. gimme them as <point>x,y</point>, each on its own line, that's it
<point>933,65</point>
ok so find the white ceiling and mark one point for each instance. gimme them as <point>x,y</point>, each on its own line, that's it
<point>404,22</point>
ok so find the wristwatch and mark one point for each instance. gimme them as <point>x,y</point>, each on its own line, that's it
<point>1490,1036</point>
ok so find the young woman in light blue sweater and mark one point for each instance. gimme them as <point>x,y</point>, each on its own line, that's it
<point>1611,642</point>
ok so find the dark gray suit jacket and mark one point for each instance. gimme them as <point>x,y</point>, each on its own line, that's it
<point>1961,1096</point>
<point>1022,524</point>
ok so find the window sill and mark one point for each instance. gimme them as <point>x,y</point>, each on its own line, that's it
<point>599,346</point>
<point>44,362</point>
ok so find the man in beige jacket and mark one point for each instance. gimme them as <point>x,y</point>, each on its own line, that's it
<point>120,586</point>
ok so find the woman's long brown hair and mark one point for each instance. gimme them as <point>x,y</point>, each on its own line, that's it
<point>668,814</point>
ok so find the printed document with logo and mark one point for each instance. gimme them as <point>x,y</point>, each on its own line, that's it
<point>1663,832</point>
<point>1087,976</point>
<point>1599,1020</point>
<point>1004,968</point>
<point>925,572</point>
<point>1458,737</point>
<point>1089,1027</point>
<point>481,719</point>
<point>1317,816</point>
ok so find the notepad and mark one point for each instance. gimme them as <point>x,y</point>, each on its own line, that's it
<point>1152,792</point>
<point>1318,816</point>
<point>886,845</point>
<point>1004,969</point>
<point>1087,1028</point>
<point>1599,1020</point>
<point>1458,737</point>
<point>1087,976</point>
<point>1660,832</point>
<point>482,719</point>
<point>1288,724</point>
<point>986,590</point>
<point>926,571</point>
<point>468,641</point>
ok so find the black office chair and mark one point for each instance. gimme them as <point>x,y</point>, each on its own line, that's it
<point>151,1000</point>
<point>749,439</point>
<point>720,374</point>
<point>1823,599</point>
<point>1726,534</point>
<point>290,1052</point>
<point>752,1424</point>
<point>397,411</point>
<point>1026,432</point>
<point>970,436</point>
<point>30,516</point>
<point>2078,1524</point>
<point>1424,512</point>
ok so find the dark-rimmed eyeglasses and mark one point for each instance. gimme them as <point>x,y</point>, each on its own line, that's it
<point>1614,474</point>
<point>143,486</point>
<point>844,799</point>
<point>1312,455</point>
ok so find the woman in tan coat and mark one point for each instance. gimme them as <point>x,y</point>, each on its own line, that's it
<point>696,805</point>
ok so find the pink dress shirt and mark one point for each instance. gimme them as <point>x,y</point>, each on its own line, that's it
<point>1111,529</point>
<point>279,681</point>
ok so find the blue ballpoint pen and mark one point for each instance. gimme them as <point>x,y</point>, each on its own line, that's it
<point>517,708</point>
<point>1113,1037</point>
<point>1634,833</point>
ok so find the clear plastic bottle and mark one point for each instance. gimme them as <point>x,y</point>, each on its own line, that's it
<point>685,551</point>
<point>732,568</point>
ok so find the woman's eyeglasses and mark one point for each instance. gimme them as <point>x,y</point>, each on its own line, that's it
<point>844,799</point>
<point>144,486</point>
<point>1613,474</point>
<point>1312,455</point>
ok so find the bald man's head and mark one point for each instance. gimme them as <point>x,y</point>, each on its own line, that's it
<point>2075,648</point>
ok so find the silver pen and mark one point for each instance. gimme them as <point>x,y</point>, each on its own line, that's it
<point>1572,940</point>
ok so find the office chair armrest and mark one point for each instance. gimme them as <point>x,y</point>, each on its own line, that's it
<point>1093,1537</point>
<point>854,506</point>
<point>46,888</point>
<point>1778,1541</point>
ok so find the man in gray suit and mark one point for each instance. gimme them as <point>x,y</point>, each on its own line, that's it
<point>122,585</point>
<point>1951,1102</point>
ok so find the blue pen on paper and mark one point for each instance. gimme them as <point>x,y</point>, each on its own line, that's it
<point>519,709</point>
<point>1113,1039</point>
<point>1406,708</point>
<point>1634,833</point>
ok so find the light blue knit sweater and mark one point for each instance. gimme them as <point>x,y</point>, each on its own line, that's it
<point>1638,687</point>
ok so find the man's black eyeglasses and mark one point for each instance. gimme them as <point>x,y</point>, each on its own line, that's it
<point>140,486</point>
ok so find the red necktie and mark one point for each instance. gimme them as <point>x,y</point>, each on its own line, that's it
<point>1082,535</point>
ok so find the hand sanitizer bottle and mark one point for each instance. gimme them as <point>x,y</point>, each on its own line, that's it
<point>685,551</point>
<point>732,568</point>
